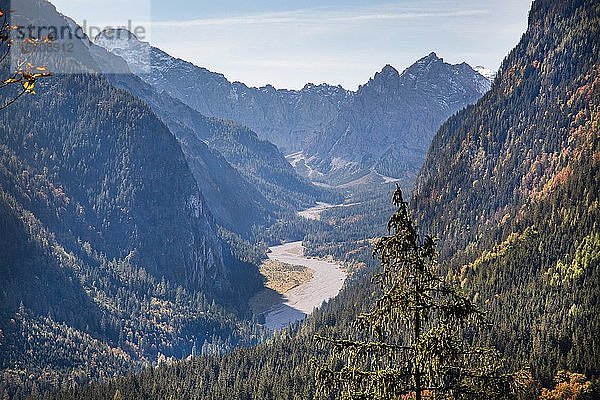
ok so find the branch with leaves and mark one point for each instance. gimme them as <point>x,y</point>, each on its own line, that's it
<point>25,74</point>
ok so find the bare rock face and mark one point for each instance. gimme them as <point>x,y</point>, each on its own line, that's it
<point>388,124</point>
<point>286,118</point>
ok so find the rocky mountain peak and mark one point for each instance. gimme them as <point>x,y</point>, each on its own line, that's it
<point>127,45</point>
<point>429,60</point>
<point>388,70</point>
<point>383,79</point>
<point>116,38</point>
<point>425,65</point>
<point>432,56</point>
<point>428,66</point>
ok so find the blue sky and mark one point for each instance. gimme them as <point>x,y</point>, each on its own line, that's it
<point>289,43</point>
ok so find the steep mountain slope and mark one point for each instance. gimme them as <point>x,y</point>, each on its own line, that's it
<point>223,187</point>
<point>511,186</point>
<point>109,256</point>
<point>259,161</point>
<point>100,170</point>
<point>397,115</point>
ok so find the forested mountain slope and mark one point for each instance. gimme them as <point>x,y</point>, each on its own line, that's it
<point>109,256</point>
<point>511,187</point>
<point>107,252</point>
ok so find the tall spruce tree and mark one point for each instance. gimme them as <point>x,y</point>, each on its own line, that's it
<point>418,341</point>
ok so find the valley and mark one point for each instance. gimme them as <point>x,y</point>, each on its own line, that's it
<point>169,232</point>
<point>314,213</point>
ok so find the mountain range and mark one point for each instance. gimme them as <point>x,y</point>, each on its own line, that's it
<point>231,163</point>
<point>398,115</point>
<point>322,128</point>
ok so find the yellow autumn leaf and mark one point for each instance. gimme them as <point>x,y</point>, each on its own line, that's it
<point>29,86</point>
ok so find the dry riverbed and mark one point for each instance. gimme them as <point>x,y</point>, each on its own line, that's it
<point>296,285</point>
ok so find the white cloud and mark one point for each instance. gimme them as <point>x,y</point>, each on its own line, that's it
<point>319,16</point>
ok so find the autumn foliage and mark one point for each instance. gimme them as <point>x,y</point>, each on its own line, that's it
<point>25,74</point>
<point>569,386</point>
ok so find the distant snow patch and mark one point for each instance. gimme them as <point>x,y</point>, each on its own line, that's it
<point>486,72</point>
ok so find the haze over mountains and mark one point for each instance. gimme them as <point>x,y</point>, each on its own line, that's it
<point>322,128</point>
